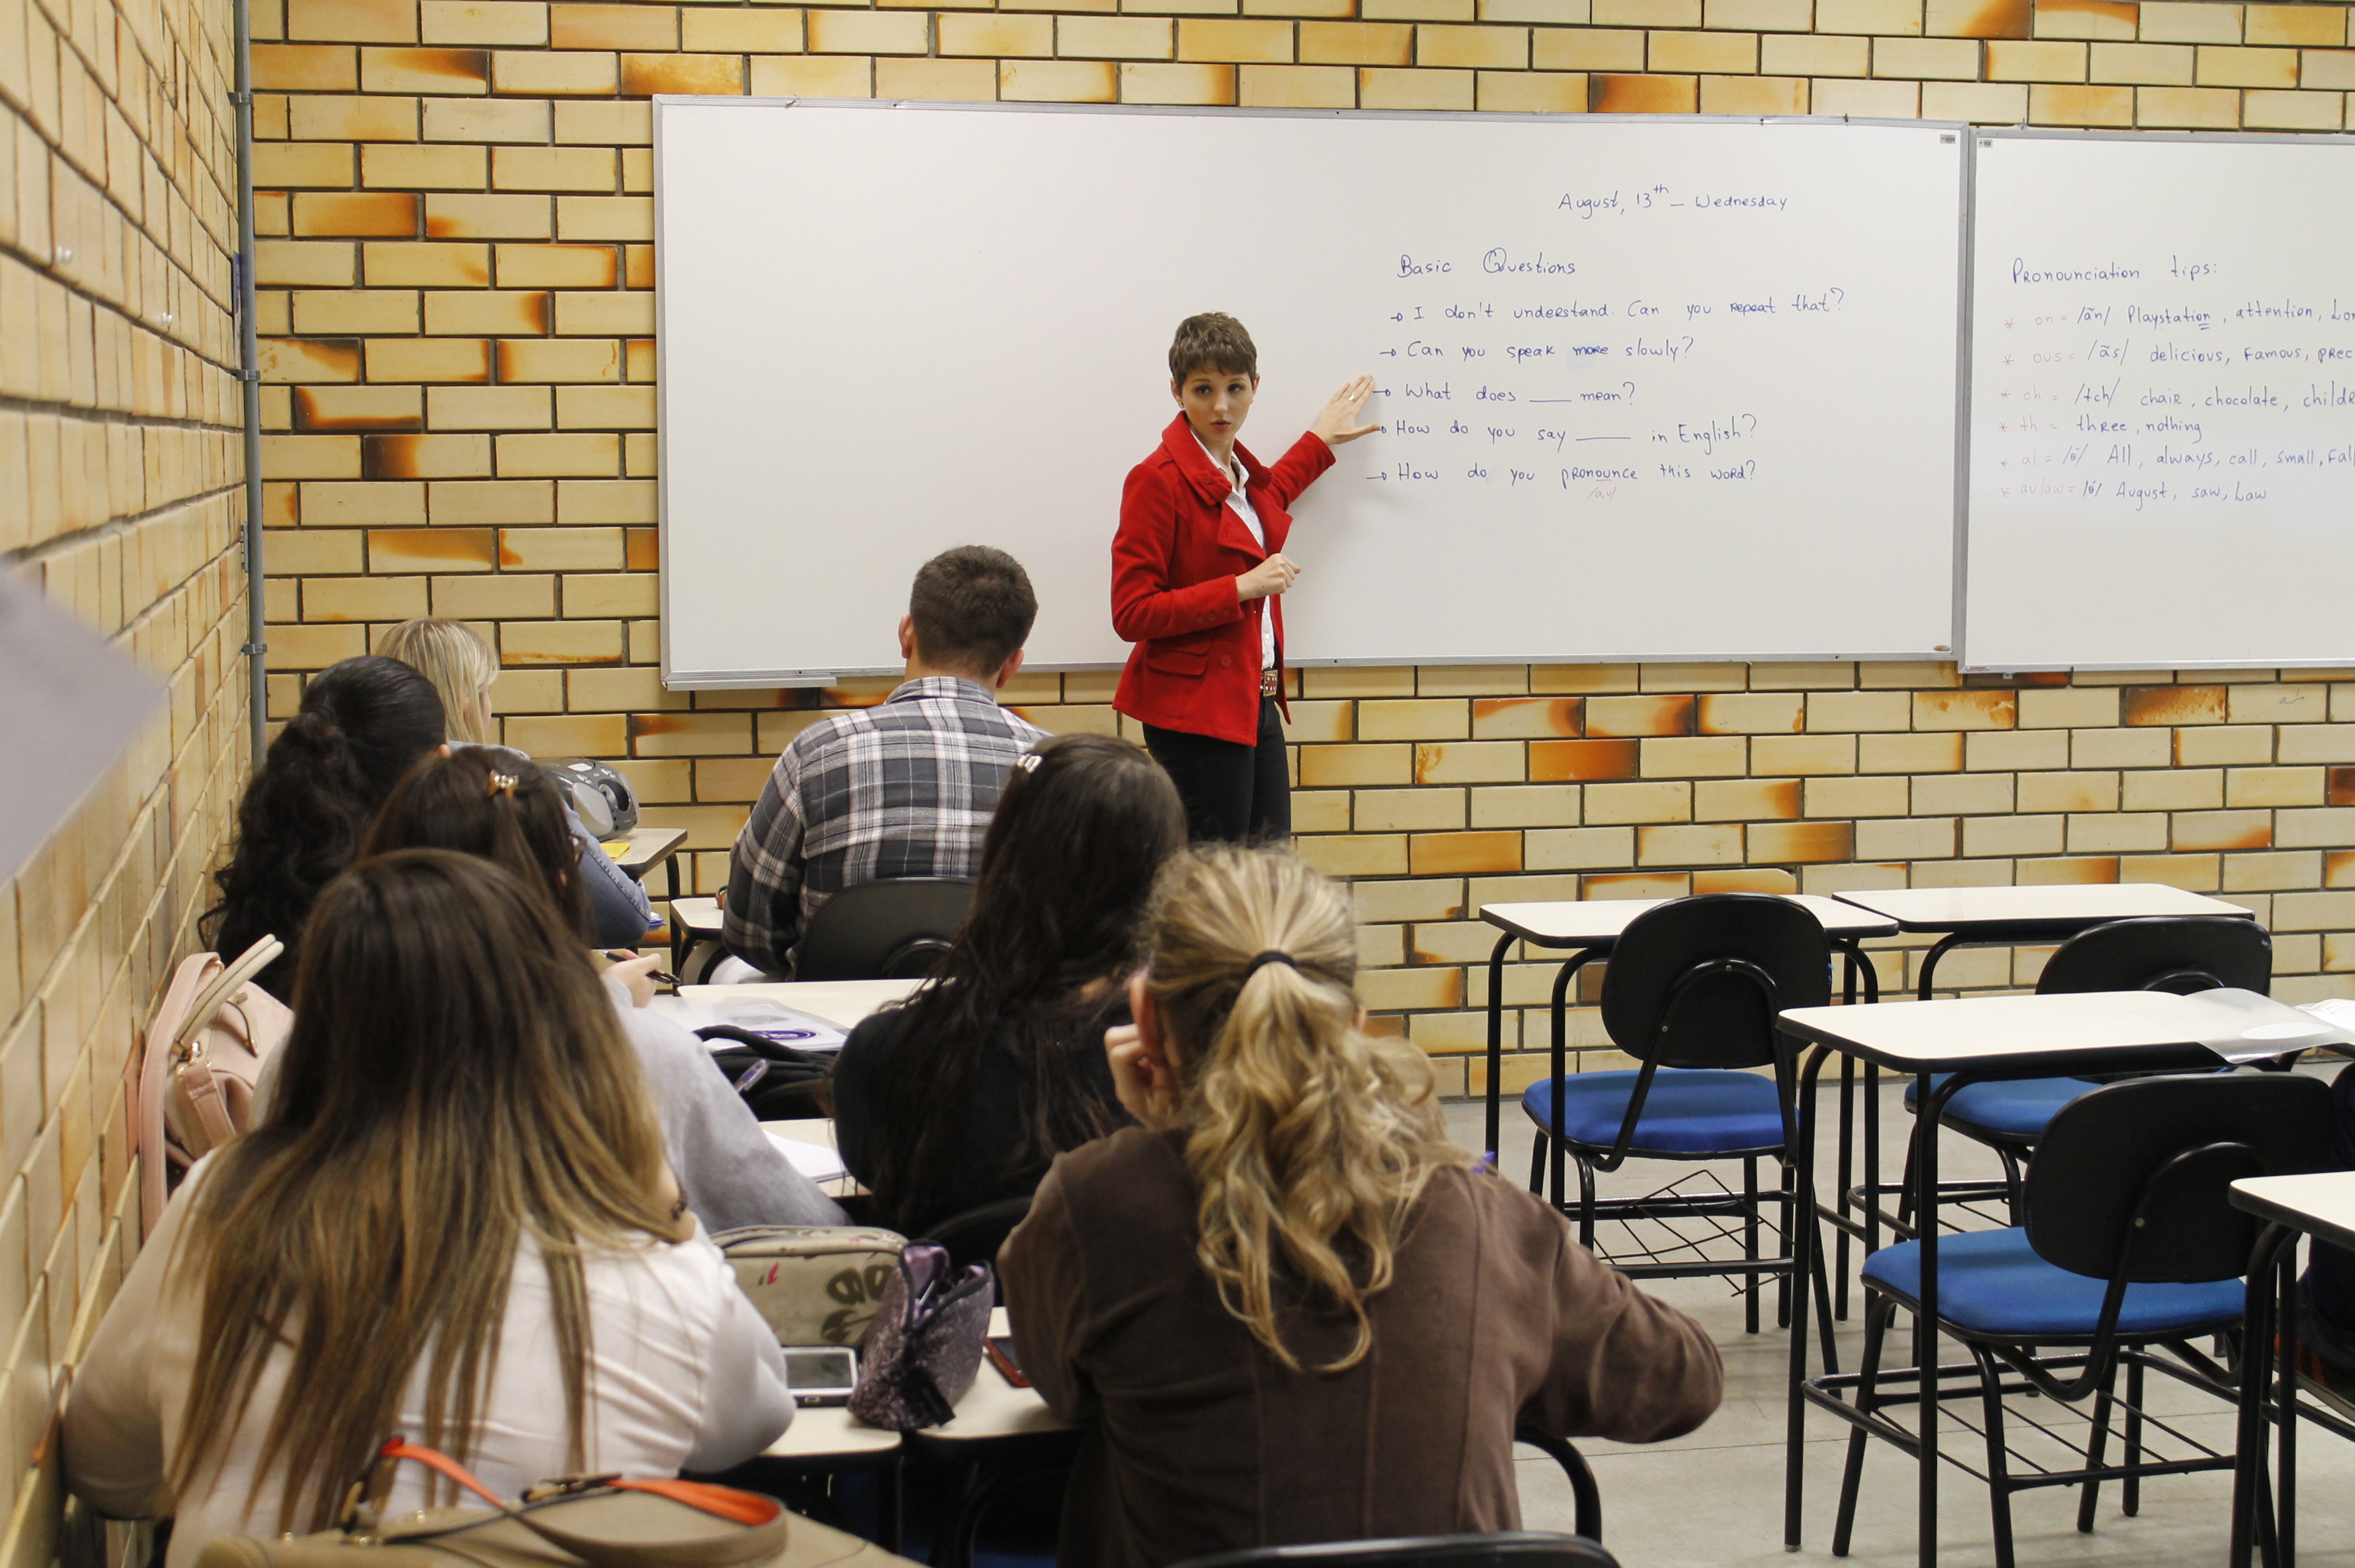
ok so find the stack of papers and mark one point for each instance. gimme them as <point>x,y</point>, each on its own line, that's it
<point>815,1161</point>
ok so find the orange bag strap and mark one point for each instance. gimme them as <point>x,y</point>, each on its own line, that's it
<point>723,1502</point>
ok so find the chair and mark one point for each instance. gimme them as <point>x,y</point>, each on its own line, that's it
<point>1586,1496</point>
<point>892,930</point>
<point>2181,953</point>
<point>2129,1241</point>
<point>974,1236</point>
<point>1522,1548</point>
<point>1692,992</point>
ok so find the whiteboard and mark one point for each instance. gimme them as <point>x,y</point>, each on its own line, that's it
<point>2162,412</point>
<point>1652,389</point>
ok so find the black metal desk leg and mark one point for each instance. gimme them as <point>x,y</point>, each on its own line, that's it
<point>1497,1035</point>
<point>1925,1326</point>
<point>1559,1065</point>
<point>2286,1465</point>
<point>1803,1201</point>
<point>1946,943</point>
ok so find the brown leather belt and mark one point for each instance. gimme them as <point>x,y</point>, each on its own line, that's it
<point>1268,680</point>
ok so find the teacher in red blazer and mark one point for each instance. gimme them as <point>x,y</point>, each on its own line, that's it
<point>1198,575</point>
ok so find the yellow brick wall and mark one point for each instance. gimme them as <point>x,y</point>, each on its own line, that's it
<point>119,468</point>
<point>458,312</point>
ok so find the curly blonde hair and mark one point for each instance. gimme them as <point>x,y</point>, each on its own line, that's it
<point>1309,1140</point>
<point>461,665</point>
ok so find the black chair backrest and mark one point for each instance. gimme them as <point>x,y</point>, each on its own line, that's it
<point>1721,1020</point>
<point>893,929</point>
<point>974,1236</point>
<point>1522,1548</point>
<point>2178,952</point>
<point>2173,1145</point>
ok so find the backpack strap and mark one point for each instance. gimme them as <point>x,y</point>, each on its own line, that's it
<point>226,985</point>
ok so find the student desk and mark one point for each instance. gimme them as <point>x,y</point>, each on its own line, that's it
<point>2005,917</point>
<point>1973,1038</point>
<point>648,847</point>
<point>693,921</point>
<point>845,1004</point>
<point>2321,1206</point>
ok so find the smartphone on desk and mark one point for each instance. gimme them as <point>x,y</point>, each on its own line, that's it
<point>821,1374</point>
<point>1000,1348</point>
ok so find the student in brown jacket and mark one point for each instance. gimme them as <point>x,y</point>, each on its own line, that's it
<point>1285,1304</point>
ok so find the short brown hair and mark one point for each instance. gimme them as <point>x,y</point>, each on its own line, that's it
<point>1214,339</point>
<point>973,607</point>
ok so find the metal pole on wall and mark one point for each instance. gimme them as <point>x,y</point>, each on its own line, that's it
<point>249,380</point>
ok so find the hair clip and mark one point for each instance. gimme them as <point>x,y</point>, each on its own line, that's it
<point>503,784</point>
<point>1027,762</point>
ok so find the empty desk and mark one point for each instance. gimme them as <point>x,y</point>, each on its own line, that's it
<point>2323,1207</point>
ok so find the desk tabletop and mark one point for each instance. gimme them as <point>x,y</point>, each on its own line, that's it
<point>2026,1032</point>
<point>842,1003</point>
<point>648,847</point>
<point>992,1408</point>
<point>2058,909</point>
<point>2321,1205</point>
<point>1594,923</point>
<point>700,916</point>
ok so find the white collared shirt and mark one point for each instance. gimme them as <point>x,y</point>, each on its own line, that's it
<point>1241,501</point>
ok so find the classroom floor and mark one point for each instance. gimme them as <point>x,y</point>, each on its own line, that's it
<point>1716,1497</point>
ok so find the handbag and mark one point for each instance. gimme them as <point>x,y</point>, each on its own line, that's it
<point>781,1083</point>
<point>598,1521</point>
<point>813,1285</point>
<point>205,1050</point>
<point>923,1349</point>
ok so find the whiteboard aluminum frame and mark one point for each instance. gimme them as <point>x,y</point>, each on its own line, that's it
<point>1980,138</point>
<point>712,680</point>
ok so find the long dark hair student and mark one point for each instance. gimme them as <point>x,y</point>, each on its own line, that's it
<point>489,802</point>
<point>1066,867</point>
<point>371,1222</point>
<point>361,724</point>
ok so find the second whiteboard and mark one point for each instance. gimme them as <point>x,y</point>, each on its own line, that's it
<point>1650,390</point>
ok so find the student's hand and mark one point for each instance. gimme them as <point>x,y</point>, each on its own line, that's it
<point>1147,1088</point>
<point>638,975</point>
<point>1274,575</point>
<point>1338,422</point>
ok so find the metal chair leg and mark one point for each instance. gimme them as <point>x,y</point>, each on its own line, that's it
<point>2130,1490</point>
<point>1998,1473</point>
<point>1537,1161</point>
<point>1585,1203</point>
<point>1750,1243</point>
<point>2089,1497</point>
<point>1877,1315</point>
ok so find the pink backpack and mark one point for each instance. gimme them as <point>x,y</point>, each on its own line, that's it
<point>204,1054</point>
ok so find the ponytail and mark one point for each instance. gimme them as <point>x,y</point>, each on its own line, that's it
<point>1310,1140</point>
<point>493,804</point>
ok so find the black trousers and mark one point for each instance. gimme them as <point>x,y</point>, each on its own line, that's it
<point>1235,794</point>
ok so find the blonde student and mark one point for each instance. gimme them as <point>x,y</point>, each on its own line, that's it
<point>454,1222</point>
<point>1285,1306</point>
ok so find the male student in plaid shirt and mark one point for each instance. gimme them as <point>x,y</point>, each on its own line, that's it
<point>903,789</point>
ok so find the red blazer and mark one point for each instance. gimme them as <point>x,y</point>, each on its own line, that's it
<point>1180,546</point>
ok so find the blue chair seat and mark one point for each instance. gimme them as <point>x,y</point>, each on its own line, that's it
<point>1992,1283</point>
<point>2015,1107</point>
<point>1690,1109</point>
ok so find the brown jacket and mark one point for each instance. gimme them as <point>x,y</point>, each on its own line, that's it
<point>1200,1440</point>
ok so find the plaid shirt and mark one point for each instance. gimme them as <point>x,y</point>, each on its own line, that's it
<point>904,789</point>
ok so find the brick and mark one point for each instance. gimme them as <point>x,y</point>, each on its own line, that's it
<point>1639,716</point>
<point>2142,65</point>
<point>1859,710</point>
<point>424,167</point>
<point>1803,754</point>
<point>1332,766</point>
<point>2274,786</point>
<point>1404,810</point>
<point>604,314</point>
<point>1648,13</point>
<point>2062,105</point>
<point>2290,869</point>
<point>2221,745</point>
<point>1991,836</point>
<point>1633,802</point>
<point>346,505</point>
<point>427,456</point>
<point>2293,111</point>
<point>1877,99</point>
<point>1524,806</point>
<point>2317,743</point>
<point>552,168</point>
<point>1754,95</point>
<point>1746,800</point>
<point>1395,10</point>
<point>557,454</point>
<point>2327,68</point>
<point>2106,20</point>
<point>558,266</point>
<point>1977,19</point>
<point>761,30</point>
<point>1787,54</point>
<point>2222,830</point>
<point>1412,719</point>
<point>1551,762</point>
<point>2320,827</point>
<point>1468,762</point>
<point>1288,87</point>
<point>2121,748</point>
<point>409,264</point>
<point>843,77</point>
<point>505,501</point>
<point>1489,47</point>
<point>1759,16</point>
<point>1695,756</point>
<point>309,359</point>
<point>1444,90</point>
<point>1877,796</point>
<point>1689,844</point>
<point>456,217</point>
<point>560,359</point>
<point>584,217</point>
<point>426,359</point>
<point>364,598</point>
<point>1950,59</point>
<point>2298,26</point>
<point>508,22</point>
<point>2177,22</point>
<point>2046,60</point>
<point>1462,854</point>
<point>556,73</point>
<point>329,312</point>
<point>449,71</point>
<point>2198,107</point>
<point>1981,709</point>
<point>481,312</point>
<point>1577,849</point>
<point>1132,37</point>
<point>2222,65</point>
<point>630,27</point>
<point>1615,94</point>
<point>488,408</point>
<point>577,734</point>
<point>306,68</point>
<point>1797,843</point>
<point>1583,49</point>
<point>1716,52</point>
<point>1584,679</point>
<point>358,408</point>
<point>1985,103</point>
<point>610,124</point>
<point>1895,18</point>
<point>648,74</point>
<point>867,33</point>
<point>2043,750</point>
<point>1527,717</point>
<point>314,117</point>
<point>516,120</point>
<point>355,216</point>
<point>1962,794</point>
<point>552,549</point>
<point>1357,855</point>
<point>1906,839</point>
<point>502,596</point>
<point>2175,789</point>
<point>995,35</point>
<point>1232,38</point>
<point>605,408</point>
<point>560,642</point>
<point>430,549</point>
<point>2277,705</point>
